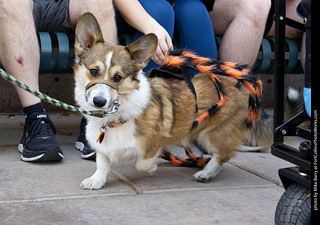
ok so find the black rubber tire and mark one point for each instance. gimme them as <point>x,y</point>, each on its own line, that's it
<point>294,206</point>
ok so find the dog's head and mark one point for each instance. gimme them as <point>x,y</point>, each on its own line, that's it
<point>105,71</point>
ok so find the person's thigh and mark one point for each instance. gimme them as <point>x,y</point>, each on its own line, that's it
<point>194,27</point>
<point>160,10</point>
<point>223,14</point>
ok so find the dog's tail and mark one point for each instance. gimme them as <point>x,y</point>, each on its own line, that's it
<point>260,137</point>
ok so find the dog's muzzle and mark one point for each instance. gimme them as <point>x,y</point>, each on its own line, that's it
<point>115,105</point>
<point>101,81</point>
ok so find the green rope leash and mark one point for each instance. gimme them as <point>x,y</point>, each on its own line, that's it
<point>97,113</point>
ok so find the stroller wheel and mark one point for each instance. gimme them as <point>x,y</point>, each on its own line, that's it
<point>294,206</point>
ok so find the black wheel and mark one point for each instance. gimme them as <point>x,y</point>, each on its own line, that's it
<point>294,206</point>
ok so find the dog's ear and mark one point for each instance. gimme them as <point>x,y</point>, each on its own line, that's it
<point>88,33</point>
<point>142,50</point>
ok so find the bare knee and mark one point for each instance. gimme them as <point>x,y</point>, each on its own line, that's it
<point>97,8</point>
<point>102,10</point>
<point>252,13</point>
<point>256,11</point>
<point>15,9</point>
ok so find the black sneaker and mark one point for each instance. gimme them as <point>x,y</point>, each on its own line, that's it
<point>82,144</point>
<point>38,143</point>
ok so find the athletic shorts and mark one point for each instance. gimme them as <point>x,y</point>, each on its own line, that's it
<point>52,16</point>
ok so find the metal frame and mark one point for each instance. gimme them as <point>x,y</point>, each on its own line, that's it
<point>298,174</point>
<point>279,70</point>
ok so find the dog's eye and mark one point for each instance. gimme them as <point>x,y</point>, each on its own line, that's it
<point>94,72</point>
<point>117,78</point>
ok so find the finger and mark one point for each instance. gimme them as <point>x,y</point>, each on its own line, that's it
<point>155,59</point>
<point>164,48</point>
<point>169,43</point>
<point>158,57</point>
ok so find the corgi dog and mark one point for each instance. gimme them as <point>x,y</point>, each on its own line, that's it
<point>152,112</point>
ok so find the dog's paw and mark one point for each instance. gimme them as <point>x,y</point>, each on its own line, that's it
<point>151,170</point>
<point>201,176</point>
<point>146,165</point>
<point>92,184</point>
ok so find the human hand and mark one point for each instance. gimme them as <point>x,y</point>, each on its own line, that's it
<point>164,44</point>
<point>145,24</point>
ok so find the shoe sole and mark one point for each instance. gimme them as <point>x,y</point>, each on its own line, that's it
<point>91,156</point>
<point>50,155</point>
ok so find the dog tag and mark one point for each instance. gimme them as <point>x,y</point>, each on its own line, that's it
<point>101,135</point>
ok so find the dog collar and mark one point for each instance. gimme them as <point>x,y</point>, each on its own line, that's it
<point>111,125</point>
<point>116,124</point>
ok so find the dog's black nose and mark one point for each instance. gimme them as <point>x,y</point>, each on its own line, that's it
<point>99,101</point>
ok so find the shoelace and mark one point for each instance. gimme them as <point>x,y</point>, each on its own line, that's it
<point>36,127</point>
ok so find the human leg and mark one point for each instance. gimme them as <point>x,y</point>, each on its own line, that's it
<point>82,144</point>
<point>19,48</point>
<point>102,10</point>
<point>194,28</point>
<point>242,24</point>
<point>20,56</point>
<point>162,12</point>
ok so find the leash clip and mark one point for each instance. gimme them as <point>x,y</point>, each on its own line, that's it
<point>103,113</point>
<point>115,108</point>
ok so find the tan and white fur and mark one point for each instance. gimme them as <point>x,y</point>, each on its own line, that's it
<point>157,112</point>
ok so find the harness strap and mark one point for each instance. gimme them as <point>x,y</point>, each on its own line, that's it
<point>167,74</point>
<point>187,79</point>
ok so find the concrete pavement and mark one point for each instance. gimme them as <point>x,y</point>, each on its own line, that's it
<point>246,191</point>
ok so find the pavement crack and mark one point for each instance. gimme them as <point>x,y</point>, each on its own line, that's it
<point>70,197</point>
<point>124,179</point>
<point>255,173</point>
